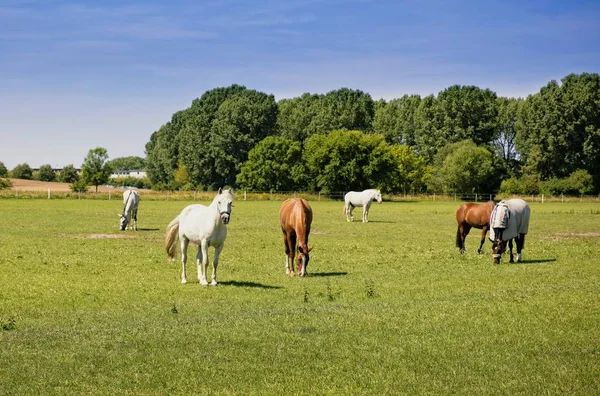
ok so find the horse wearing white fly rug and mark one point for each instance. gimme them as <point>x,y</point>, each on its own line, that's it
<point>509,220</point>
<point>131,201</point>
<point>364,199</point>
<point>205,226</point>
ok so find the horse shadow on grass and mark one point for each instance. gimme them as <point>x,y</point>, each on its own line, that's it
<point>538,261</point>
<point>326,274</point>
<point>248,284</point>
<point>148,229</point>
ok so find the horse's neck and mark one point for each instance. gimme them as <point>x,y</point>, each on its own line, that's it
<point>371,194</point>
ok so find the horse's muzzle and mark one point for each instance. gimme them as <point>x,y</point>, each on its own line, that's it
<point>225,218</point>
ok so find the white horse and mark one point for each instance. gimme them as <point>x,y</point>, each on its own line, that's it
<point>509,220</point>
<point>364,199</point>
<point>131,201</point>
<point>205,226</point>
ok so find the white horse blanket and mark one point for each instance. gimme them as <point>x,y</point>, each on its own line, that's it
<point>509,218</point>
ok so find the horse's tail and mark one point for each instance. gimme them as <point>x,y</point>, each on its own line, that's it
<point>458,238</point>
<point>171,238</point>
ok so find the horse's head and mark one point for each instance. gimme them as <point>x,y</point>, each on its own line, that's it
<point>224,202</point>
<point>122,221</point>
<point>378,196</point>
<point>302,259</point>
<point>498,247</point>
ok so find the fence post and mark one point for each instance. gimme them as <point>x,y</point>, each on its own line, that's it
<point>109,195</point>
<point>245,197</point>
<point>48,193</point>
<point>195,195</point>
<point>562,197</point>
<point>319,196</point>
<point>542,198</point>
<point>475,197</point>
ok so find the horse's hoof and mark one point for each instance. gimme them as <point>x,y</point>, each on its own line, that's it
<point>203,284</point>
<point>183,281</point>
<point>213,283</point>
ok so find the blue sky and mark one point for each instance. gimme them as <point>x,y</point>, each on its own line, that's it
<point>78,75</point>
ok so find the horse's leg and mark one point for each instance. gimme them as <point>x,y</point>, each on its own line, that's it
<point>202,262</point>
<point>510,247</point>
<point>135,227</point>
<point>287,253</point>
<point>349,213</point>
<point>483,234</point>
<point>520,244</point>
<point>216,263</point>
<point>365,211</point>
<point>292,248</point>
<point>463,230</point>
<point>184,246</point>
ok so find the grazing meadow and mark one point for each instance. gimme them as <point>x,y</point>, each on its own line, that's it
<point>389,306</point>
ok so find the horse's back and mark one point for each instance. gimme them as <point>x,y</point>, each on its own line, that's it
<point>521,213</point>
<point>474,214</point>
<point>295,212</point>
<point>197,222</point>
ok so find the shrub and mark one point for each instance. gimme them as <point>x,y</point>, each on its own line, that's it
<point>512,186</point>
<point>5,184</point>
<point>79,186</point>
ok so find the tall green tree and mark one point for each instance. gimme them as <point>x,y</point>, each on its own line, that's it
<point>47,173</point>
<point>458,113</point>
<point>3,170</point>
<point>302,117</point>
<point>506,132</point>
<point>297,117</point>
<point>239,124</point>
<point>413,173</point>
<point>128,163</point>
<point>22,171</point>
<point>274,164</point>
<point>558,130</point>
<point>348,160</point>
<point>396,119</point>
<point>466,168</point>
<point>95,170</point>
<point>68,174</point>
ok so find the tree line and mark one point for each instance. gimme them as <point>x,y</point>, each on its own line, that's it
<point>464,139</point>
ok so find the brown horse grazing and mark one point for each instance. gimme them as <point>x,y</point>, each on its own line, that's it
<point>295,217</point>
<point>473,215</point>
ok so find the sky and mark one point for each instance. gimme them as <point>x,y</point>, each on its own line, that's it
<point>78,75</point>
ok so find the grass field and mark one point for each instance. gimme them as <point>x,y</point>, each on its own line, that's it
<point>390,307</point>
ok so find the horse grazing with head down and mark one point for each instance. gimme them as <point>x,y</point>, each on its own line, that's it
<point>364,199</point>
<point>205,226</point>
<point>509,220</point>
<point>474,215</point>
<point>295,218</point>
<point>131,201</point>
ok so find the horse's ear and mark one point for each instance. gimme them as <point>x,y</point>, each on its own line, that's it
<point>220,191</point>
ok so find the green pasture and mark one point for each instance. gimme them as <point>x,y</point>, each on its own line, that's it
<point>390,306</point>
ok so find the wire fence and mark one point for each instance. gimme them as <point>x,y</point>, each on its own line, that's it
<point>116,194</point>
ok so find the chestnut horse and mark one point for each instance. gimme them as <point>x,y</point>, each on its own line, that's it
<point>295,217</point>
<point>470,215</point>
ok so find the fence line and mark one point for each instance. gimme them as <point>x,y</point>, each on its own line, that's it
<point>246,195</point>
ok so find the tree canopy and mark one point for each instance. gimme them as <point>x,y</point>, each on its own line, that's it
<point>548,135</point>
<point>96,170</point>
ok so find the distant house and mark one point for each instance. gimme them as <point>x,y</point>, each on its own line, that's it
<point>56,170</point>
<point>137,173</point>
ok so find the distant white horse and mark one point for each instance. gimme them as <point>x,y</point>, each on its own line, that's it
<point>364,199</point>
<point>131,201</point>
<point>204,225</point>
